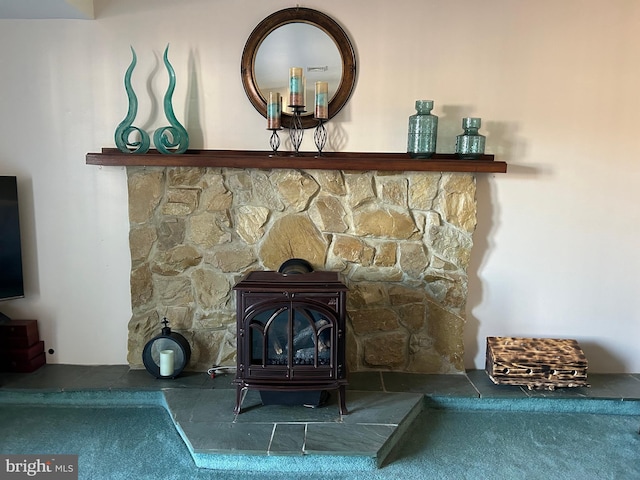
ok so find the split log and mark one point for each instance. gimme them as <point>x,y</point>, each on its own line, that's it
<point>308,335</point>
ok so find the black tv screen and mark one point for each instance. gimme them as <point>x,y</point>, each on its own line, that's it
<point>11,280</point>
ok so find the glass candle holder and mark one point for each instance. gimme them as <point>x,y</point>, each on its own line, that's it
<point>274,111</point>
<point>296,87</point>
<point>321,111</point>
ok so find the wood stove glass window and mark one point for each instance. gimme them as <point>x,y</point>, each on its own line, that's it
<point>291,334</point>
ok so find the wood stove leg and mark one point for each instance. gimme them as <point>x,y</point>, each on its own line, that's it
<point>241,392</point>
<point>342,400</point>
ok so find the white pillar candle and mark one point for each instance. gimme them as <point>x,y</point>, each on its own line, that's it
<point>322,100</point>
<point>166,363</point>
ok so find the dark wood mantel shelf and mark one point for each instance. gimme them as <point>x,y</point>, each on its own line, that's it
<point>440,162</point>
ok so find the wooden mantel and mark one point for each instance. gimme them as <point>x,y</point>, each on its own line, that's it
<point>440,162</point>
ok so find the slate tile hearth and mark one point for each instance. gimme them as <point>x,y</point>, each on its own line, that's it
<point>381,407</point>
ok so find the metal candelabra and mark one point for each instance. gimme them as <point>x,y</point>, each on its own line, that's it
<point>296,132</point>
<point>274,141</point>
<point>320,136</point>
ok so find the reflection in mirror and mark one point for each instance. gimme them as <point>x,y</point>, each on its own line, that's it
<point>300,45</point>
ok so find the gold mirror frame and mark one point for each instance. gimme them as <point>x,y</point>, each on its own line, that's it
<point>317,19</point>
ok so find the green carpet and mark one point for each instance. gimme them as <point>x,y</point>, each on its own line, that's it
<point>451,439</point>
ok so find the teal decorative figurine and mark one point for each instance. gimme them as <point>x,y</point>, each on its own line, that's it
<point>173,138</point>
<point>126,129</point>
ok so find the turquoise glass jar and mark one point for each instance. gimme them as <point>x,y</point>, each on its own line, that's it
<point>470,144</point>
<point>423,131</point>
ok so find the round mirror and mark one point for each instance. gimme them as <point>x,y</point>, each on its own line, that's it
<point>298,37</point>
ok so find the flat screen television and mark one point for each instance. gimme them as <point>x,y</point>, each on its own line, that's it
<point>11,276</point>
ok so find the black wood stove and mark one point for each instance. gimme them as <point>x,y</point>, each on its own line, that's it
<point>291,334</point>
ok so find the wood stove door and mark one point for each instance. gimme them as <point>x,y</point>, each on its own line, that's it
<point>291,340</point>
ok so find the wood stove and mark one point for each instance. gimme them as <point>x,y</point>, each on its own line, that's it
<point>291,333</point>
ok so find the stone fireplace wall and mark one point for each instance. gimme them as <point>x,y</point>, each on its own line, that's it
<point>401,241</point>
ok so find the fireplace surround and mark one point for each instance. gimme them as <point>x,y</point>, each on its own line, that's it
<point>398,231</point>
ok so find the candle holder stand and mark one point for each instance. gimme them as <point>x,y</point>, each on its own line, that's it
<point>157,359</point>
<point>274,140</point>
<point>296,132</point>
<point>320,135</point>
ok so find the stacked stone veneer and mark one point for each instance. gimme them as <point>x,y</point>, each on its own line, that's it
<point>402,242</point>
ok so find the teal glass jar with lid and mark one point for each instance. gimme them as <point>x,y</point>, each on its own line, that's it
<point>470,144</point>
<point>423,131</point>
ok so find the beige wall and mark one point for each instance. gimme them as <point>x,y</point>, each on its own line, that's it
<point>555,82</point>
